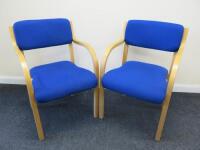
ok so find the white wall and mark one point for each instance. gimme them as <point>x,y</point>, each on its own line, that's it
<point>100,22</point>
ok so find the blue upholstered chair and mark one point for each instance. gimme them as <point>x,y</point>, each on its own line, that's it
<point>52,81</point>
<point>144,81</point>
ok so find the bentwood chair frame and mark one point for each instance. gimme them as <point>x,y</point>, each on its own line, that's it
<point>171,77</point>
<point>28,79</point>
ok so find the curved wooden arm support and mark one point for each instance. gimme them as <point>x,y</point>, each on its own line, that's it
<point>22,60</point>
<point>95,66</point>
<point>107,53</point>
<point>92,54</point>
<point>175,63</point>
<point>171,78</point>
<point>96,70</point>
<point>29,85</point>
<point>89,48</point>
<point>102,71</point>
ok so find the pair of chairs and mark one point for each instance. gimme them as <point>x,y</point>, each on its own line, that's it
<point>148,82</point>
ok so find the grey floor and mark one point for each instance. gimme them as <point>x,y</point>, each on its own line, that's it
<point>128,125</point>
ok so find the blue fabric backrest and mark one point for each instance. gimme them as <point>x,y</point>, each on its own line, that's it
<point>153,34</point>
<point>33,34</point>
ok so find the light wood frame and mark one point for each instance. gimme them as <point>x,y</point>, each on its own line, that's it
<point>28,78</point>
<point>171,78</point>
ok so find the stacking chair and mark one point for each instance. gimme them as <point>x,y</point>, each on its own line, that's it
<point>144,81</point>
<point>50,82</point>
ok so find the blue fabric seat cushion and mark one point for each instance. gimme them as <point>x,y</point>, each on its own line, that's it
<point>143,81</point>
<point>59,79</point>
<point>154,34</point>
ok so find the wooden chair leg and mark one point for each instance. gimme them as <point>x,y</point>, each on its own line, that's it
<point>101,102</point>
<point>163,116</point>
<point>96,102</point>
<point>37,119</point>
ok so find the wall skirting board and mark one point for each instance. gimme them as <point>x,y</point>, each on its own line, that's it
<point>12,80</point>
<point>187,88</point>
